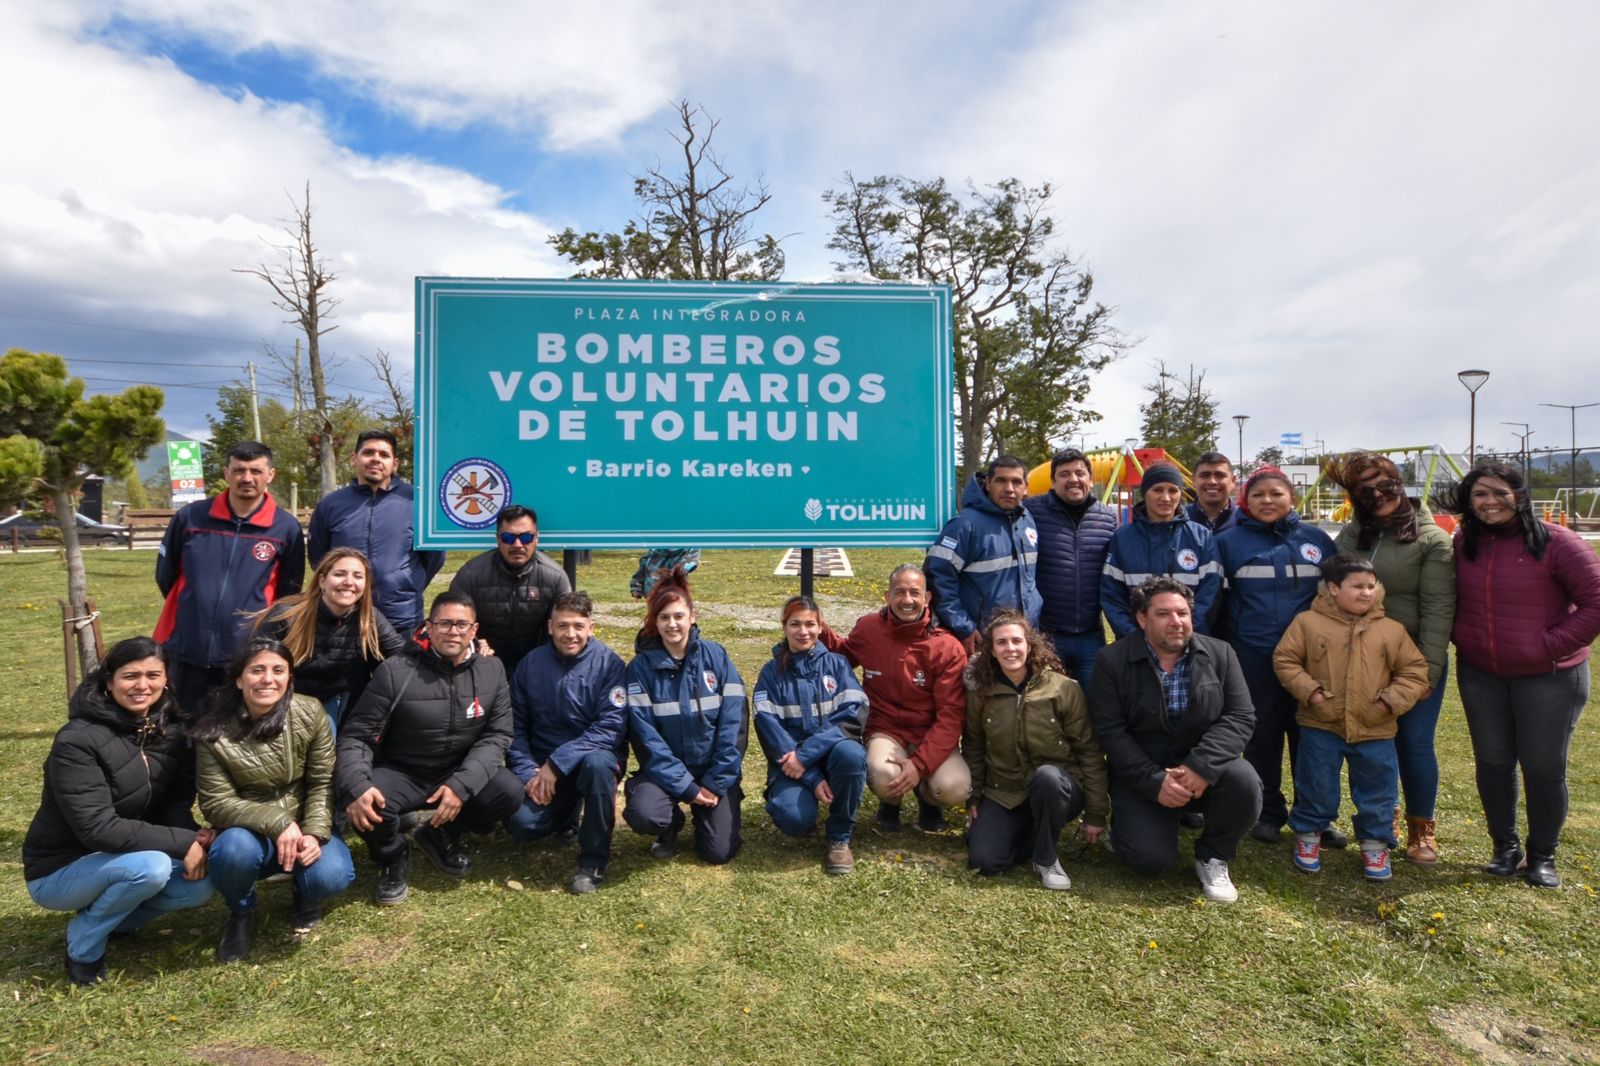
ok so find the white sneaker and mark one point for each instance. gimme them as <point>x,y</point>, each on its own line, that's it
<point>1053,876</point>
<point>1215,882</point>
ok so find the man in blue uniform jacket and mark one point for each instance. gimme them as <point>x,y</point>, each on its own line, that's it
<point>985,555</point>
<point>569,706</point>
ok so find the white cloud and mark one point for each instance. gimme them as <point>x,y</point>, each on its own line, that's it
<point>1334,208</point>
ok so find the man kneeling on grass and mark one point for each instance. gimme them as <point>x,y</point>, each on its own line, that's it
<point>1171,710</point>
<point>569,702</point>
<point>431,730</point>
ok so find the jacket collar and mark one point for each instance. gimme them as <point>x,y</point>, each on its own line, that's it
<point>261,517</point>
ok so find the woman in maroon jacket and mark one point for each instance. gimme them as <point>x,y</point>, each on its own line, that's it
<point>1528,607</point>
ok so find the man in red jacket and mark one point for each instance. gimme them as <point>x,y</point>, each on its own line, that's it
<point>911,670</point>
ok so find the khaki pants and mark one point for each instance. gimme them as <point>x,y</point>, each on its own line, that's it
<point>948,786</point>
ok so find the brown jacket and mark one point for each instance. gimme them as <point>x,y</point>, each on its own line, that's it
<point>1356,660</point>
<point>1011,734</point>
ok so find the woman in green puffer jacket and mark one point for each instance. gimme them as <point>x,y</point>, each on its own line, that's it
<point>264,762</point>
<point>1035,762</point>
<point>1414,561</point>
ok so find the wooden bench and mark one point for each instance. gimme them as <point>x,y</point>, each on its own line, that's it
<point>147,525</point>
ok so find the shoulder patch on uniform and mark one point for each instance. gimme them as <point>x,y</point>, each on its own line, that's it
<point>829,685</point>
<point>635,689</point>
<point>948,542</point>
<point>710,678</point>
<point>618,696</point>
<point>1031,534</point>
<point>1311,553</point>
<point>1188,559</point>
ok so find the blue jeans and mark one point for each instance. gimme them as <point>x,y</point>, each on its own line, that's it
<point>1419,765</point>
<point>793,806</point>
<point>240,857</point>
<point>115,892</point>
<point>593,787</point>
<point>1374,780</point>
<point>1077,652</point>
<point>334,706</point>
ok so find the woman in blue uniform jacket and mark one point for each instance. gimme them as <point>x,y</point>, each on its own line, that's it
<point>687,725</point>
<point>809,714</point>
<point>1272,562</point>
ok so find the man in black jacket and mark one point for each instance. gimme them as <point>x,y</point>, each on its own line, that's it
<point>431,730</point>
<point>1172,712</point>
<point>514,587</point>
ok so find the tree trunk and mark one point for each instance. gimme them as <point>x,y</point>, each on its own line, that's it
<point>77,578</point>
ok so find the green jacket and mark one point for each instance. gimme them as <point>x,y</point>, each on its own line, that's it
<point>1419,586</point>
<point>263,785</point>
<point>1011,734</point>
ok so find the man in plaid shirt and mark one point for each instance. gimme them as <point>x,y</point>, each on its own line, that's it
<point>1171,710</point>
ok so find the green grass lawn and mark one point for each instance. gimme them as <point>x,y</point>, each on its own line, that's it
<point>910,959</point>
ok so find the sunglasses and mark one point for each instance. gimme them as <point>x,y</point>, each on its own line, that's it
<point>518,538</point>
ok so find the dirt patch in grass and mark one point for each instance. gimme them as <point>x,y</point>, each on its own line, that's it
<point>233,1055</point>
<point>1501,1039</point>
<point>371,952</point>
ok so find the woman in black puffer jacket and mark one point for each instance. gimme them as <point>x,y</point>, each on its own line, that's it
<point>114,839</point>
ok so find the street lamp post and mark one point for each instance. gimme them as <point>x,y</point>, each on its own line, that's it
<point>1473,380</point>
<point>1522,452</point>
<point>1240,420</point>
<point>1572,471</point>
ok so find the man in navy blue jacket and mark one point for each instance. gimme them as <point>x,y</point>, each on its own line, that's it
<point>569,706</point>
<point>985,555</point>
<point>375,516</point>
<point>1214,486</point>
<point>1075,533</point>
<point>221,560</point>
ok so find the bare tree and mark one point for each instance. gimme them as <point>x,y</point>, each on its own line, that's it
<point>299,283</point>
<point>400,414</point>
<point>694,223</point>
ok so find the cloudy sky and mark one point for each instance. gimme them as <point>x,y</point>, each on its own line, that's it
<point>1331,208</point>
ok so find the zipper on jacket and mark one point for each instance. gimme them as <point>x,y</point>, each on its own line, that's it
<point>1488,610</point>
<point>149,787</point>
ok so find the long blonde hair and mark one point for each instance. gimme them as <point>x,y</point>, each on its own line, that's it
<point>298,613</point>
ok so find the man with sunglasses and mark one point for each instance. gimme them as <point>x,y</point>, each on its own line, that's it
<point>514,586</point>
<point>431,730</point>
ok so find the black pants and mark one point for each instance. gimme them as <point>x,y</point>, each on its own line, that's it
<point>1003,837</point>
<point>1524,722</point>
<point>650,811</point>
<point>592,787</point>
<point>1275,711</point>
<point>1146,833</point>
<point>191,684</point>
<point>403,793</point>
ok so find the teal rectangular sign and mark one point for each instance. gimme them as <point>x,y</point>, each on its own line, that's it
<point>684,414</point>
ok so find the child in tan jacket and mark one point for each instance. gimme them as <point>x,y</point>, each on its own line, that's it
<point>1354,672</point>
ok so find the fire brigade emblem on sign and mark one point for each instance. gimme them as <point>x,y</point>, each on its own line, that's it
<point>473,491</point>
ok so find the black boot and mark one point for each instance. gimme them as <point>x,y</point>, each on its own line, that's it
<point>86,973</point>
<point>307,914</point>
<point>235,942</point>
<point>1507,857</point>
<point>1542,871</point>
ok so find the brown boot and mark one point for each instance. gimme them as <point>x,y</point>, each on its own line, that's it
<point>1421,847</point>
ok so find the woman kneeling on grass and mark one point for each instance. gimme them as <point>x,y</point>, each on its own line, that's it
<point>334,634</point>
<point>687,725</point>
<point>1035,762</point>
<point>809,714</point>
<point>265,760</point>
<point>114,839</point>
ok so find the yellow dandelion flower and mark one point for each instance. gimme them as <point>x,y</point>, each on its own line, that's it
<point>1431,930</point>
<point>1152,946</point>
<point>1438,916</point>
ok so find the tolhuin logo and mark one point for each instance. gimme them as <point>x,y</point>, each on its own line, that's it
<point>813,509</point>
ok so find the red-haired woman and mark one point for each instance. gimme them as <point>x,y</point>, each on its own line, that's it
<point>1412,558</point>
<point>687,725</point>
